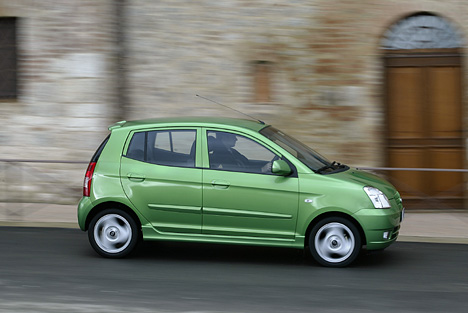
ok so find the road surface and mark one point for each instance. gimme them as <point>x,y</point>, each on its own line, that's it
<point>55,270</point>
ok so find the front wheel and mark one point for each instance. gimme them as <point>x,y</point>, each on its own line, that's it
<point>113,233</point>
<point>335,242</point>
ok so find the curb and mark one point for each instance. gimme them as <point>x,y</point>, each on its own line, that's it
<point>40,225</point>
<point>69,225</point>
<point>422,239</point>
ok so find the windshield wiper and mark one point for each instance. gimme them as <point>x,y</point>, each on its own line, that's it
<point>333,165</point>
<point>326,167</point>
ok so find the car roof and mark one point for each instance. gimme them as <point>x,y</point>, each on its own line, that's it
<point>208,121</point>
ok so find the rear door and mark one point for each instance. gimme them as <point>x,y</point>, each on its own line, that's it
<point>160,176</point>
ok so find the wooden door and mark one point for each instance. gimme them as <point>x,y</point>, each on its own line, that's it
<point>424,128</point>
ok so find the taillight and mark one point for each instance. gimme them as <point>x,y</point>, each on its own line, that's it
<point>88,178</point>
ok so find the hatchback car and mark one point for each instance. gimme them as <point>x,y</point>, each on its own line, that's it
<point>232,181</point>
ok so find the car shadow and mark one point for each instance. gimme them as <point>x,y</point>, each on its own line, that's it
<point>219,253</point>
<point>222,253</point>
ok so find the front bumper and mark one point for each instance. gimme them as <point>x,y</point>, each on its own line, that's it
<point>381,226</point>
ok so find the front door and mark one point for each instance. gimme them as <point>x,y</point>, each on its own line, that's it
<point>424,123</point>
<point>160,177</point>
<point>241,196</point>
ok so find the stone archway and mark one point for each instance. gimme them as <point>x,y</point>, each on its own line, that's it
<point>423,95</point>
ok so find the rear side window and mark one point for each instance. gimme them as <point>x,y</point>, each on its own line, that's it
<point>164,147</point>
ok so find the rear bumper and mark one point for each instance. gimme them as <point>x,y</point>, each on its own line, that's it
<point>84,207</point>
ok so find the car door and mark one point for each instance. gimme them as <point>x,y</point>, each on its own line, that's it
<point>160,176</point>
<point>241,196</point>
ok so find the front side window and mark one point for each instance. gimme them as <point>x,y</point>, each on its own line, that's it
<point>164,147</point>
<point>232,152</point>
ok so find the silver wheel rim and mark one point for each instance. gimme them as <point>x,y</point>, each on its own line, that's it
<point>334,242</point>
<point>112,233</point>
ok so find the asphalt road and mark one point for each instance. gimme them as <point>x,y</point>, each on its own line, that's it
<point>55,270</point>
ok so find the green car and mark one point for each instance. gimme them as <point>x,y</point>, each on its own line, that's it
<point>233,181</point>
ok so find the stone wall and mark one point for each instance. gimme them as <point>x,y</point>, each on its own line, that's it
<point>324,60</point>
<point>327,71</point>
<point>65,52</point>
<point>66,96</point>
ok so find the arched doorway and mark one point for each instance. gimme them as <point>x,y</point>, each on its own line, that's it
<point>423,92</point>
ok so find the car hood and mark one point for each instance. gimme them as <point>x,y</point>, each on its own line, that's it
<point>364,178</point>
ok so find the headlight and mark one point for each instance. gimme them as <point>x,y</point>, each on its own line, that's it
<point>378,198</point>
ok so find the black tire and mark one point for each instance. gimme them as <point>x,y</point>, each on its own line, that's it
<point>113,233</point>
<point>335,242</point>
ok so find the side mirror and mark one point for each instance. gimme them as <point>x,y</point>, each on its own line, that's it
<point>280,167</point>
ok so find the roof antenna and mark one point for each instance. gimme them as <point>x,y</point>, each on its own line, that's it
<point>232,109</point>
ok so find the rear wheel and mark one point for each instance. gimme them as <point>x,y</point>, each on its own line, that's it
<point>335,242</point>
<point>113,233</point>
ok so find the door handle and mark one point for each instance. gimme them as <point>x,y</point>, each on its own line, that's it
<point>220,184</point>
<point>136,177</point>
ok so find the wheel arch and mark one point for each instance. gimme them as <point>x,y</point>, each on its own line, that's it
<point>322,216</point>
<point>109,205</point>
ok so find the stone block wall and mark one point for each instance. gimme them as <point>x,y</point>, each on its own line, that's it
<point>65,52</point>
<point>325,60</point>
<point>325,70</point>
<point>66,95</point>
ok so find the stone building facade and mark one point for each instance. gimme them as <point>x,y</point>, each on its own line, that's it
<point>315,69</point>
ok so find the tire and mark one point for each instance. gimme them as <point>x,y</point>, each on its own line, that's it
<point>335,242</point>
<point>113,233</point>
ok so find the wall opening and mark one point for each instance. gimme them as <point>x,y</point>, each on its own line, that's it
<point>423,97</point>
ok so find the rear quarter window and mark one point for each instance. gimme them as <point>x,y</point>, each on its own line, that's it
<point>98,152</point>
<point>136,148</point>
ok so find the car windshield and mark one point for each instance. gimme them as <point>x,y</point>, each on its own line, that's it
<point>303,153</point>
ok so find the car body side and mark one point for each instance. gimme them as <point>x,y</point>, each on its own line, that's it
<point>319,196</point>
